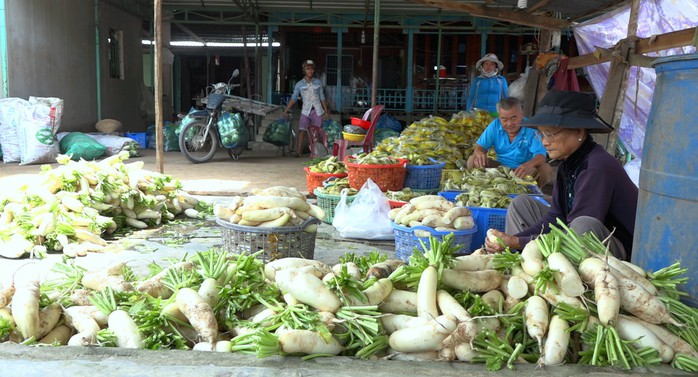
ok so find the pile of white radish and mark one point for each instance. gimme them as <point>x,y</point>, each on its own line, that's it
<point>78,202</point>
<point>432,211</point>
<point>478,308</point>
<point>271,207</point>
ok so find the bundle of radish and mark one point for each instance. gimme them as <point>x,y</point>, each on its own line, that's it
<point>271,207</point>
<point>426,308</point>
<point>80,201</point>
<point>433,211</point>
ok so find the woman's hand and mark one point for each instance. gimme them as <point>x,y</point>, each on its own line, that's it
<point>495,238</point>
<point>326,115</point>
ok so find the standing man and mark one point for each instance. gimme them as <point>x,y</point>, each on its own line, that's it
<point>517,148</point>
<point>314,104</point>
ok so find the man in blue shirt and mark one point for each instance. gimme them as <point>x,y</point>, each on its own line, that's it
<point>314,104</point>
<point>517,148</point>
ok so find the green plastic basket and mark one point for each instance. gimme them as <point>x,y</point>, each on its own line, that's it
<point>328,203</point>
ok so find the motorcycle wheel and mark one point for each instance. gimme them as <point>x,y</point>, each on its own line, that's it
<point>196,147</point>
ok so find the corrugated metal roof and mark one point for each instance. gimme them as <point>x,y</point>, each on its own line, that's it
<point>564,9</point>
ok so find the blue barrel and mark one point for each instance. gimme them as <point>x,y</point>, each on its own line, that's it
<point>666,227</point>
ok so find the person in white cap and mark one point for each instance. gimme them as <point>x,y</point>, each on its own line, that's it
<point>489,86</point>
<point>314,103</point>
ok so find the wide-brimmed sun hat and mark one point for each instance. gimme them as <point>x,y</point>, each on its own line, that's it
<point>308,62</point>
<point>489,58</point>
<point>568,110</point>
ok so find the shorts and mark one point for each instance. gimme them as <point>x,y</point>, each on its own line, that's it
<point>306,120</point>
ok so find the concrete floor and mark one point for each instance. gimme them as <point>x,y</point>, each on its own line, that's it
<point>216,181</point>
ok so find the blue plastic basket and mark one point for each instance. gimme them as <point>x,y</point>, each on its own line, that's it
<point>139,137</point>
<point>486,218</point>
<point>406,241</point>
<point>424,177</point>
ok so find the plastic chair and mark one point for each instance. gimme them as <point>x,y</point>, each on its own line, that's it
<point>317,141</point>
<point>341,145</point>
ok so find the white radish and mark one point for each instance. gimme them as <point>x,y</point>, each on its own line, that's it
<point>308,342</point>
<point>272,267</point>
<point>426,294</point>
<point>222,346</point>
<point>636,300</point>
<point>307,289</point>
<point>554,297</point>
<point>268,214</point>
<point>110,276</point>
<point>80,319</point>
<point>48,319</point>
<point>423,338</point>
<point>448,305</point>
<point>154,285</point>
<point>455,213</point>
<point>199,313</point>
<point>125,329</point>
<point>532,258</point>
<point>465,352</point>
<point>210,291</point>
<point>676,343</point>
<point>536,319</point>
<point>471,281</point>
<point>464,222</point>
<point>394,322</point>
<point>60,335</point>
<point>618,267</point>
<point>25,309</point>
<point>473,262</point>
<point>352,269</point>
<point>278,201</point>
<point>517,287</point>
<point>556,342</point>
<point>377,292</point>
<point>567,277</point>
<point>82,339</point>
<point>495,299</point>
<point>643,337</point>
<point>607,296</point>
<point>589,268</point>
<point>399,301</point>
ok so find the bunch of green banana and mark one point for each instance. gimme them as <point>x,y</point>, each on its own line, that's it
<point>403,195</point>
<point>487,198</point>
<point>500,177</point>
<point>336,186</point>
<point>331,165</point>
<point>373,158</point>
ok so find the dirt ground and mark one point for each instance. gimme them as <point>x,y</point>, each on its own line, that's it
<point>220,176</point>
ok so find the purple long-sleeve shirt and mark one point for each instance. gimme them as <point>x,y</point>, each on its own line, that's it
<point>593,183</point>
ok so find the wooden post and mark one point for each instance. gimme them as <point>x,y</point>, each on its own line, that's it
<point>376,43</point>
<point>159,138</point>
<point>613,100</point>
<point>536,84</point>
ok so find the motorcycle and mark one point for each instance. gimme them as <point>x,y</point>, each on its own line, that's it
<point>200,139</point>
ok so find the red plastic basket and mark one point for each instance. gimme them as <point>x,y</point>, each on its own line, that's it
<point>387,177</point>
<point>314,180</point>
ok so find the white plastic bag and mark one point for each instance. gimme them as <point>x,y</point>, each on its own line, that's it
<point>366,217</point>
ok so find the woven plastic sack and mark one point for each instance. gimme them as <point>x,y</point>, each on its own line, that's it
<point>333,130</point>
<point>12,112</point>
<point>80,146</point>
<point>278,132</point>
<point>232,130</point>
<point>366,217</point>
<point>37,142</point>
